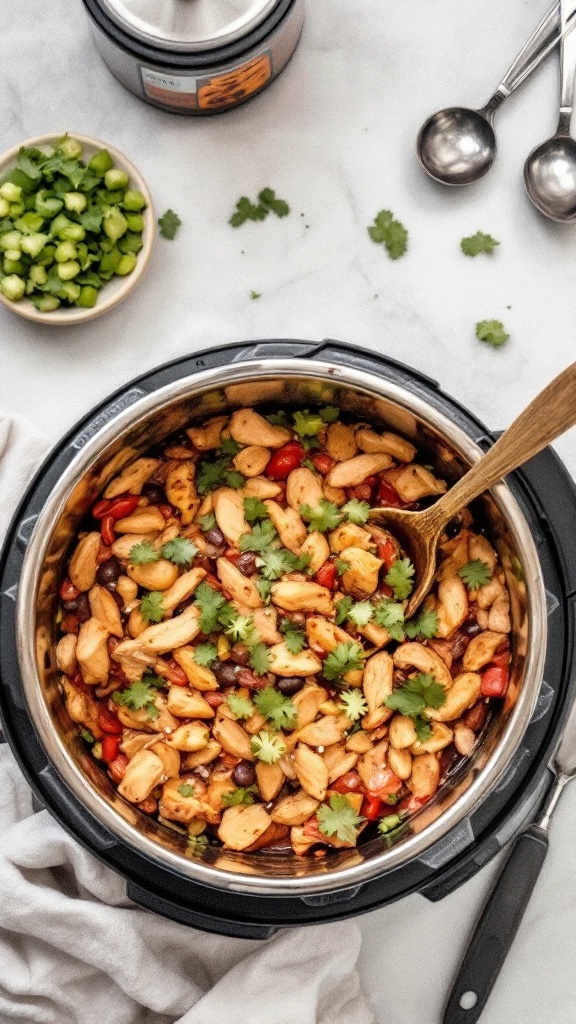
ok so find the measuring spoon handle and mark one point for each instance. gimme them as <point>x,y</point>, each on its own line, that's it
<point>541,42</point>
<point>550,414</point>
<point>567,65</point>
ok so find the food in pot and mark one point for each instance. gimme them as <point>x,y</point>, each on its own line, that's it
<point>66,226</point>
<point>234,643</point>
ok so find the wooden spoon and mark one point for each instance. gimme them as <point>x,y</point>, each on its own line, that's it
<point>551,413</point>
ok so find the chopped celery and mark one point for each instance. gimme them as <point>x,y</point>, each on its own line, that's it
<point>87,297</point>
<point>33,244</point>
<point>16,209</point>
<point>135,221</point>
<point>4,207</point>
<point>38,275</point>
<point>108,263</point>
<point>13,266</point>
<point>71,290</point>
<point>101,162</point>
<point>45,303</point>
<point>47,206</point>
<point>75,202</point>
<point>115,224</point>
<point>11,192</point>
<point>71,148</point>
<point>68,270</point>
<point>130,243</point>
<point>29,223</point>
<point>72,233</point>
<point>65,251</point>
<point>11,240</point>
<point>134,200</point>
<point>13,287</point>
<point>115,178</point>
<point>126,264</point>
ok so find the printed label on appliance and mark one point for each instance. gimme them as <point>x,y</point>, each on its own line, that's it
<point>208,92</point>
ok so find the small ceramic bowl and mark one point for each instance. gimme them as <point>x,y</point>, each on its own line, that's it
<point>113,291</point>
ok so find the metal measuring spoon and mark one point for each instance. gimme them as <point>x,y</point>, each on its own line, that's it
<point>457,146</point>
<point>549,414</point>
<point>550,170</point>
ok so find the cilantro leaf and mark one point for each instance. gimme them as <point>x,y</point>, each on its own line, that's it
<point>423,728</point>
<point>263,587</point>
<point>425,625</point>
<point>390,615</point>
<point>356,511</point>
<point>277,709</point>
<point>275,562</point>
<point>267,747</point>
<point>260,659</point>
<point>143,553</point>
<point>210,602</point>
<point>230,447</point>
<point>278,419</point>
<point>186,789</point>
<point>205,654</point>
<point>245,210</point>
<point>341,566</point>
<point>197,844</point>
<point>492,332</point>
<point>475,244</point>
<point>255,295</point>
<point>241,795</point>
<point>294,636</point>
<point>151,607</point>
<point>235,479</point>
<point>241,707</point>
<point>140,694</point>
<point>307,424</point>
<point>475,574</point>
<point>338,818</point>
<point>207,522</point>
<point>399,577</point>
<point>361,612</point>
<point>342,610</point>
<point>239,627</point>
<point>323,517</point>
<point>181,551</point>
<point>87,736</point>
<point>390,233</point>
<point>353,704</point>
<point>329,413</point>
<point>267,198</point>
<point>213,474</point>
<point>255,509</point>
<point>169,223</point>
<point>260,537</point>
<point>346,657</point>
<point>420,692</point>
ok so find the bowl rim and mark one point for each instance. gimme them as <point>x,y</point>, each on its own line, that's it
<point>324,880</point>
<point>76,314</point>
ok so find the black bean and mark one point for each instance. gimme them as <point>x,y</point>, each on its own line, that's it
<point>240,654</point>
<point>247,563</point>
<point>83,607</point>
<point>109,572</point>
<point>453,528</point>
<point>471,628</point>
<point>215,537</point>
<point>244,774</point>
<point>290,685</point>
<point>214,552</point>
<point>225,672</point>
<point>70,606</point>
<point>155,494</point>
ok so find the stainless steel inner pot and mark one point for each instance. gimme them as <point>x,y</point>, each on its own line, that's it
<point>148,421</point>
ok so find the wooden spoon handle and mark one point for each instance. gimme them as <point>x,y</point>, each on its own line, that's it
<point>551,413</point>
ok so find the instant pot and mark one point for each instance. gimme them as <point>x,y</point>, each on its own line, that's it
<point>196,57</point>
<point>489,798</point>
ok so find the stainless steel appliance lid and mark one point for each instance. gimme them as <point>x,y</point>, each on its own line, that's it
<point>188,25</point>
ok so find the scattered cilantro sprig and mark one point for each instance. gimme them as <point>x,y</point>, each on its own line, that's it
<point>181,551</point>
<point>390,233</point>
<point>492,332</point>
<point>280,711</point>
<point>268,747</point>
<point>475,574</point>
<point>338,818</point>
<point>169,223</point>
<point>151,607</point>
<point>267,203</point>
<point>294,636</point>
<point>420,692</point>
<point>480,242</point>
<point>346,657</point>
<point>241,795</point>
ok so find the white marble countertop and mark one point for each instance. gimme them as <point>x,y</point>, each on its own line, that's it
<point>335,137</point>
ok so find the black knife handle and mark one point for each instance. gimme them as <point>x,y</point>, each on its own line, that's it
<point>496,928</point>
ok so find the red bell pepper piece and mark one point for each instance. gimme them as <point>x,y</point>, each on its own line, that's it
<point>348,783</point>
<point>387,495</point>
<point>107,530</point>
<point>371,806</point>
<point>117,767</point>
<point>103,555</point>
<point>68,592</point>
<point>175,674</point>
<point>383,782</point>
<point>110,748</point>
<point>166,510</point>
<point>285,460</point>
<point>494,681</point>
<point>108,720</point>
<point>123,505</point>
<point>326,575</point>
<point>363,492</point>
<point>386,551</point>
<point>100,509</point>
<point>323,462</point>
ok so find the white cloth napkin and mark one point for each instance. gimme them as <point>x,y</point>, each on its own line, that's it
<point>74,950</point>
